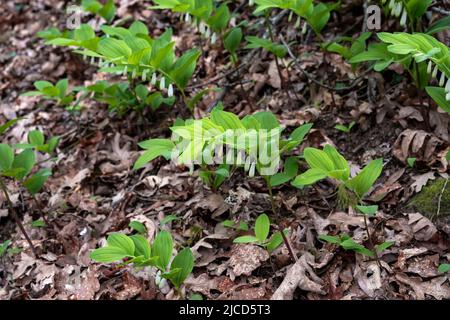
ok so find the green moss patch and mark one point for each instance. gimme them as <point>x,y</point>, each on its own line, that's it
<point>427,201</point>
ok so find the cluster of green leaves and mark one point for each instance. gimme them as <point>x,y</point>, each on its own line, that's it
<point>132,52</point>
<point>262,230</point>
<point>347,243</point>
<point>137,250</point>
<point>316,15</point>
<point>356,47</point>
<point>217,126</point>
<point>119,96</point>
<point>276,49</point>
<point>59,92</point>
<point>107,11</point>
<point>212,20</point>
<point>19,166</point>
<point>329,163</point>
<point>420,54</point>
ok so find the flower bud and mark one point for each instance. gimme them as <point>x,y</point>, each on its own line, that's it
<point>154,78</point>
<point>162,83</point>
<point>442,80</point>
<point>170,91</point>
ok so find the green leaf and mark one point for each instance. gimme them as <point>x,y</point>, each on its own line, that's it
<point>340,165</point>
<point>108,11</point>
<point>440,25</point>
<point>141,246</point>
<point>275,241</point>
<point>439,96</point>
<point>232,40</point>
<point>36,138</point>
<point>120,240</point>
<point>290,171</point>
<point>35,183</point>
<point>138,226</point>
<point>184,261</point>
<point>350,244</point>
<point>25,160</point>
<point>309,177</point>
<point>445,267</point>
<point>138,27</point>
<point>108,254</point>
<point>245,239</point>
<point>362,183</point>
<point>8,125</point>
<point>417,8</point>
<point>3,247</point>
<point>318,159</point>
<point>299,133</point>
<point>6,157</point>
<point>267,120</point>
<point>368,210</point>
<point>114,48</point>
<point>155,148</point>
<point>184,68</point>
<point>38,223</point>
<point>262,227</point>
<point>411,162</point>
<point>384,246</point>
<point>169,218</point>
<point>330,239</point>
<point>162,248</point>
<point>226,120</point>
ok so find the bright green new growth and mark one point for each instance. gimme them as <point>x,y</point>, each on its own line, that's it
<point>19,166</point>
<point>262,230</point>
<point>215,129</point>
<point>137,251</point>
<point>443,268</point>
<point>328,163</point>
<point>132,52</point>
<point>347,243</point>
<point>59,92</point>
<point>106,11</point>
<point>316,16</point>
<point>423,56</point>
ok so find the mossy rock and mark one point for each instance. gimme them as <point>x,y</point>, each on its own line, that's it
<point>427,201</point>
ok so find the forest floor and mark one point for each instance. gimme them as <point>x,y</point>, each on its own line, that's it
<point>94,190</point>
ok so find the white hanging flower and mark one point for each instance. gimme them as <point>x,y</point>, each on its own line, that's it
<point>447,97</point>
<point>251,172</point>
<point>187,18</point>
<point>435,71</point>
<point>383,1</point>
<point>298,22</point>
<point>251,2</point>
<point>403,19</point>
<point>442,80</point>
<point>202,28</point>
<point>391,4</point>
<point>125,70</point>
<point>398,9</point>
<point>92,60</point>
<point>304,28</point>
<point>154,78</point>
<point>133,74</point>
<point>447,87</point>
<point>247,164</point>
<point>214,38</point>
<point>162,83</point>
<point>208,33</point>
<point>430,67</point>
<point>170,90</point>
<point>144,75</point>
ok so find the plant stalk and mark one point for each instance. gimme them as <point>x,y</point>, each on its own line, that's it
<point>16,217</point>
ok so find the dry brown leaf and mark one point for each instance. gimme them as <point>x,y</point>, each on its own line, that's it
<point>299,275</point>
<point>422,227</point>
<point>246,258</point>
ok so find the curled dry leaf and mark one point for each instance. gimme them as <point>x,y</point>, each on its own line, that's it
<point>422,227</point>
<point>437,288</point>
<point>418,144</point>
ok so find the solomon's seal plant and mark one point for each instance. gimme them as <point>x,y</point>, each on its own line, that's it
<point>407,10</point>
<point>329,163</point>
<point>423,56</point>
<point>133,53</point>
<point>19,167</point>
<point>59,92</point>
<point>261,231</point>
<point>137,250</point>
